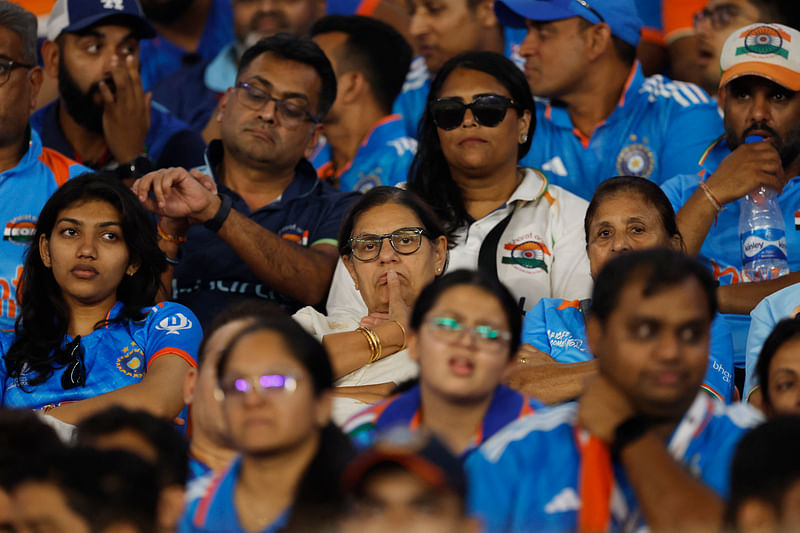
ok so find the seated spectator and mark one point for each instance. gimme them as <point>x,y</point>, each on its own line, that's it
<point>441,31</point>
<point>89,336</point>
<point>193,91</point>
<point>210,447</point>
<point>366,145</point>
<point>598,116</point>
<point>408,483</point>
<point>642,444</point>
<point>626,213</point>
<point>778,370</point>
<point>274,383</point>
<point>188,31</point>
<point>24,438</point>
<point>84,490</point>
<point>29,173</point>
<point>759,96</point>
<point>715,22</point>
<point>765,479</point>
<point>367,350</point>
<point>153,439</point>
<point>103,118</point>
<point>506,220</point>
<point>781,304</point>
<point>459,396</point>
<point>270,233</point>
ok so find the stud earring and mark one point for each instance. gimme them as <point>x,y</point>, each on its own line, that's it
<point>523,139</point>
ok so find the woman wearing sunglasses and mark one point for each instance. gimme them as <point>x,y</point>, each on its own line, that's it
<point>88,335</point>
<point>508,221</point>
<point>393,246</point>
<point>464,332</point>
<point>274,382</point>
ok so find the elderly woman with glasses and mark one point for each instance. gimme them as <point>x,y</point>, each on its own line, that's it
<point>464,332</point>
<point>393,246</point>
<point>507,221</point>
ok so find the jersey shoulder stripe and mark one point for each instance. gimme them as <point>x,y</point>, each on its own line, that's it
<point>544,420</point>
<point>685,94</point>
<point>58,164</point>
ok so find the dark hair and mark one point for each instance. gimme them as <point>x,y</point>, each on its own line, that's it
<point>473,278</point>
<point>778,12</point>
<point>19,20</point>
<point>305,51</point>
<point>42,324</point>
<point>390,195</point>
<point>246,309</point>
<point>172,463</point>
<point>24,439</point>
<point>765,466</point>
<point>651,192</point>
<point>373,48</point>
<point>429,175</point>
<point>318,499</point>
<point>783,332</point>
<point>103,487</point>
<point>625,51</point>
<point>659,268</point>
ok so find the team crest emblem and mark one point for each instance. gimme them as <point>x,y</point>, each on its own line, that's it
<point>763,40</point>
<point>131,362</point>
<point>635,160</point>
<point>175,323</point>
<point>20,230</point>
<point>529,255</point>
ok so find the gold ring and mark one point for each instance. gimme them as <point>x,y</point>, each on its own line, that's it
<point>523,360</point>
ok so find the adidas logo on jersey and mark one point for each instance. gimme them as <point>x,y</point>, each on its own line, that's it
<point>565,501</point>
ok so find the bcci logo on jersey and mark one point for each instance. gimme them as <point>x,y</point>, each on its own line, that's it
<point>131,362</point>
<point>175,323</point>
<point>20,230</point>
<point>636,160</point>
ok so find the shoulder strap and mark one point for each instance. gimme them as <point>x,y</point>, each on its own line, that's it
<point>487,257</point>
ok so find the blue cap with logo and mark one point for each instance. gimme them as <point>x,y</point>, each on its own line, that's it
<point>620,15</point>
<point>76,15</point>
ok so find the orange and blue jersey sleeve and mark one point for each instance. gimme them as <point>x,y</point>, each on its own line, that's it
<point>171,329</point>
<point>678,18</point>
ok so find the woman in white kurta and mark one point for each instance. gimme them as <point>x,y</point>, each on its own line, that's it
<point>392,246</point>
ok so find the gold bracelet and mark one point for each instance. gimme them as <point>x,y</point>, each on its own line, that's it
<point>377,343</point>
<point>370,337</point>
<point>403,347</point>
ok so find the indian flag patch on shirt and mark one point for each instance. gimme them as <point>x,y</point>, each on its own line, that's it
<point>797,220</point>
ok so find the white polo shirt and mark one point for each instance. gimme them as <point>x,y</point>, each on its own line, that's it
<point>541,253</point>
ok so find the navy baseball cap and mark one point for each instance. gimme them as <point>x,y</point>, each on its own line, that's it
<point>620,15</point>
<point>76,15</point>
<point>417,452</point>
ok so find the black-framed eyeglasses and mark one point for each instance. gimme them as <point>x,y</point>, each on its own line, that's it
<point>288,112</point>
<point>586,4</point>
<point>404,241</point>
<point>488,110</point>
<point>720,16</point>
<point>7,65</point>
<point>75,372</point>
<point>449,330</point>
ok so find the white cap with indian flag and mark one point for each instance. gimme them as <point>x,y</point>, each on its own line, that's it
<point>770,51</point>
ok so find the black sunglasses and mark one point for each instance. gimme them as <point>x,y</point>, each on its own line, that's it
<point>488,109</point>
<point>75,373</point>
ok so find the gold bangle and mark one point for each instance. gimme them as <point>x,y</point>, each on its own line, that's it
<point>403,347</point>
<point>178,239</point>
<point>373,342</point>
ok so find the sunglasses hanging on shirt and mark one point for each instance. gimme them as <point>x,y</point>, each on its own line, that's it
<point>75,372</point>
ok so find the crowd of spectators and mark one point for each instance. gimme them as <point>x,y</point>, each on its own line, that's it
<point>349,266</point>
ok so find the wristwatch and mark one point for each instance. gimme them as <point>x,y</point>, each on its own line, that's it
<point>136,167</point>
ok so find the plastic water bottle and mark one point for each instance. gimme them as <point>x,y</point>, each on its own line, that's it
<point>762,233</point>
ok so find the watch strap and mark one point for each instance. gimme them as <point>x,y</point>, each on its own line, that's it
<point>214,224</point>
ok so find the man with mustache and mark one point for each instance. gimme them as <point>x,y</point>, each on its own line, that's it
<point>759,96</point>
<point>103,118</point>
<point>192,92</point>
<point>271,231</point>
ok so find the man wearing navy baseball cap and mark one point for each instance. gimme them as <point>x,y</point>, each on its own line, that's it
<point>602,117</point>
<point>103,118</point>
